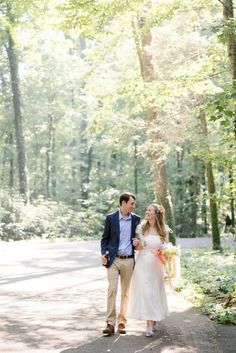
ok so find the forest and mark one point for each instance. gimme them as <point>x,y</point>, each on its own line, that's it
<point>101,96</point>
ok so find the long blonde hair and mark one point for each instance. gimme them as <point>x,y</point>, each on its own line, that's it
<point>159,223</point>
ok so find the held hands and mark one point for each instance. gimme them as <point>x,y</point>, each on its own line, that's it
<point>137,244</point>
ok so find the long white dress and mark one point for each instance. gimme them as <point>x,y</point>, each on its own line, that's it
<point>147,296</point>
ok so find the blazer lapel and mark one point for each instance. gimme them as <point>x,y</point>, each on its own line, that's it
<point>117,221</point>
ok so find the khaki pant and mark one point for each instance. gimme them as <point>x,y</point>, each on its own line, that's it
<point>124,269</point>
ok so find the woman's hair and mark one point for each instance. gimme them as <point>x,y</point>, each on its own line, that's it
<point>159,223</point>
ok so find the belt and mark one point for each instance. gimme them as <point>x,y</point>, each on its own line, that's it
<point>125,256</point>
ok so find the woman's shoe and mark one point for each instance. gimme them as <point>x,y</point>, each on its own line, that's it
<point>149,333</point>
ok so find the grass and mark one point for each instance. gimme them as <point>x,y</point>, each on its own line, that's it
<point>209,281</point>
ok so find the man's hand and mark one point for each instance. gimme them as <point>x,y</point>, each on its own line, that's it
<point>104,260</point>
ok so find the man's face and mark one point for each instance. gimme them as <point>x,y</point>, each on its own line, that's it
<point>129,206</point>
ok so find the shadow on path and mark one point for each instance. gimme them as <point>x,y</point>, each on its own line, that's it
<point>186,330</point>
<point>53,301</point>
<point>126,344</point>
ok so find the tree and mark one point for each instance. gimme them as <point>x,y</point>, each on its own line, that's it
<point>143,40</point>
<point>9,10</point>
<point>211,189</point>
<point>228,14</point>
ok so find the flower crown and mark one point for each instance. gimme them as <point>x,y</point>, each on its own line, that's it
<point>160,210</point>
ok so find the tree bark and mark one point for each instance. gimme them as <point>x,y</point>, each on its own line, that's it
<point>135,168</point>
<point>85,173</point>
<point>143,43</point>
<point>8,154</point>
<point>180,192</point>
<point>232,211</point>
<point>53,163</point>
<point>11,162</point>
<point>193,204</point>
<point>203,204</point>
<point>228,15</point>
<point>18,120</point>
<point>211,190</point>
<point>85,158</point>
<point>49,156</point>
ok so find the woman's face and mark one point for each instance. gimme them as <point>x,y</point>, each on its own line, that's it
<point>150,213</point>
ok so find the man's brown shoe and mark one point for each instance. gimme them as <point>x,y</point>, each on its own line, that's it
<point>121,329</point>
<point>109,330</point>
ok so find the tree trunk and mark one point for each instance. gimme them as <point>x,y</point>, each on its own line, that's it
<point>143,45</point>
<point>204,205</point>
<point>193,204</point>
<point>228,14</point>
<point>213,206</point>
<point>53,163</point>
<point>85,157</point>
<point>49,156</point>
<point>180,192</point>
<point>11,162</point>
<point>85,173</point>
<point>18,121</point>
<point>8,150</point>
<point>232,197</point>
<point>211,191</point>
<point>3,162</point>
<point>135,168</point>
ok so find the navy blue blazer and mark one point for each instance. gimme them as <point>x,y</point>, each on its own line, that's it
<point>111,234</point>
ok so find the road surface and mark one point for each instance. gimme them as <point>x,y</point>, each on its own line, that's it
<point>53,300</point>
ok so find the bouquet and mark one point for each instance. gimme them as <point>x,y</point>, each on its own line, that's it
<point>169,256</point>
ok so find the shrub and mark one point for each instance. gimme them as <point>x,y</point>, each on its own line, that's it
<point>209,281</point>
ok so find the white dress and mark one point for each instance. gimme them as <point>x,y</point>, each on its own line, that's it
<point>147,296</point>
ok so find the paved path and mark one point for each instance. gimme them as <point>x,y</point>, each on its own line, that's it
<point>52,300</point>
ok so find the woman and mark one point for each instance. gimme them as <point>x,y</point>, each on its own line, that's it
<point>147,299</point>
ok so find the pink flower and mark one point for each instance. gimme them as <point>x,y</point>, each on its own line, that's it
<point>159,253</point>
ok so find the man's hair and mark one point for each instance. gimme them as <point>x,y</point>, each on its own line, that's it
<point>125,196</point>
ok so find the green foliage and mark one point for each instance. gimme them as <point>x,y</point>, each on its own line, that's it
<point>209,281</point>
<point>225,30</point>
<point>50,219</point>
<point>47,219</point>
<point>92,92</point>
<point>222,107</point>
<point>90,17</point>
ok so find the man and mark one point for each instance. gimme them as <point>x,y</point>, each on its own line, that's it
<point>118,256</point>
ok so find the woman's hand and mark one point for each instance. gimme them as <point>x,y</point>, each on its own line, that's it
<point>137,244</point>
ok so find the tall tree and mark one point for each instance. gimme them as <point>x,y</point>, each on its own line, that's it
<point>8,9</point>
<point>228,15</point>
<point>49,154</point>
<point>143,40</point>
<point>211,189</point>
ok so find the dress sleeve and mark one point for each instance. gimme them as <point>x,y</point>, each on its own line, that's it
<point>138,230</point>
